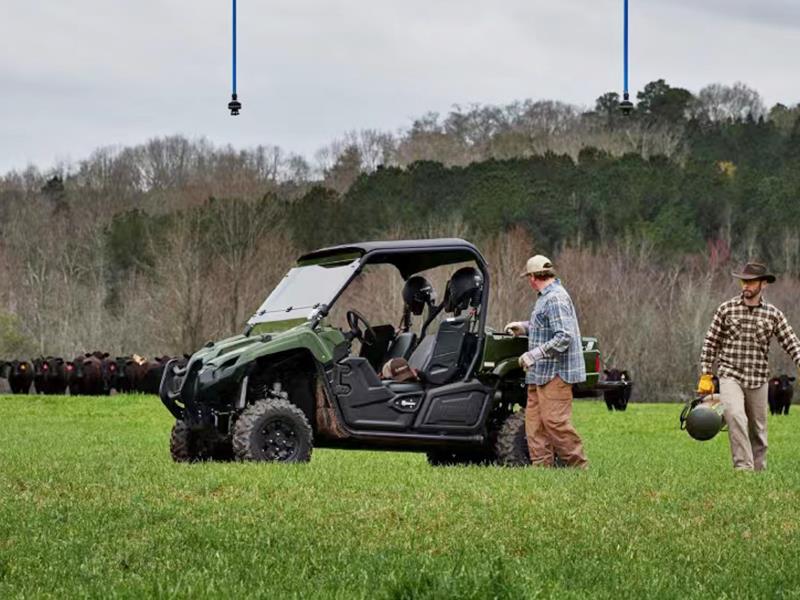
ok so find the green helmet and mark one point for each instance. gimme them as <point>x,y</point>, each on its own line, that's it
<point>703,422</point>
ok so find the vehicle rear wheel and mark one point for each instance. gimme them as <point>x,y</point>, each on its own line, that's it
<point>512,444</point>
<point>189,444</point>
<point>273,430</point>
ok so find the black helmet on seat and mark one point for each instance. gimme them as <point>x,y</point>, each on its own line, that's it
<point>418,293</point>
<point>463,290</point>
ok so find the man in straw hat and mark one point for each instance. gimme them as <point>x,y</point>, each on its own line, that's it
<point>554,361</point>
<point>738,340</point>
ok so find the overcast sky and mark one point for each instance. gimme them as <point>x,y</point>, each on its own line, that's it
<point>78,75</point>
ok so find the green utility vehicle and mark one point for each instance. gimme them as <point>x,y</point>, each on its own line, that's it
<point>294,380</point>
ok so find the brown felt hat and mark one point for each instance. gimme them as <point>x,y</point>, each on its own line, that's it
<point>754,270</point>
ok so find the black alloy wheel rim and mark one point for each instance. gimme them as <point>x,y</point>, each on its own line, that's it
<point>280,441</point>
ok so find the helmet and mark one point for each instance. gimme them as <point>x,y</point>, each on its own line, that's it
<point>418,293</point>
<point>463,289</point>
<point>703,421</point>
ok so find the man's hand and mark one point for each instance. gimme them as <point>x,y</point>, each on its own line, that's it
<point>516,328</point>
<point>526,360</point>
<point>706,384</point>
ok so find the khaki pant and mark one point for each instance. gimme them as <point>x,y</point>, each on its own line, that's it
<point>746,417</point>
<point>548,425</point>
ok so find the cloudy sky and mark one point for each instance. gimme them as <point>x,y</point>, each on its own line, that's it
<point>78,75</point>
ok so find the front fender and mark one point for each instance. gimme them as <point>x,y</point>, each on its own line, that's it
<point>319,344</point>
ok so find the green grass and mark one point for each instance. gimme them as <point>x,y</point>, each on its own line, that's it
<point>92,506</point>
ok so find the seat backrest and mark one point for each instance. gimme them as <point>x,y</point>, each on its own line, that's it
<point>437,358</point>
<point>422,353</point>
<point>401,346</point>
<point>376,350</point>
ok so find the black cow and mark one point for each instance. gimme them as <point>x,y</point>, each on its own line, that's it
<point>39,373</point>
<point>133,372</point>
<point>779,394</point>
<point>20,376</point>
<point>75,374</point>
<point>118,375</point>
<point>95,375</point>
<point>87,374</point>
<point>55,375</point>
<point>110,372</point>
<point>617,399</point>
<point>153,371</point>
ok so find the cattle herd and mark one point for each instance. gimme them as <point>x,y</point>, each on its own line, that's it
<point>89,374</point>
<point>97,374</point>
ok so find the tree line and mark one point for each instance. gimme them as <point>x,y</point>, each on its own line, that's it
<point>167,244</point>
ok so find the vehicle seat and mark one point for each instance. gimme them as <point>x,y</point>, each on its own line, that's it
<point>375,351</point>
<point>437,358</point>
<point>401,346</point>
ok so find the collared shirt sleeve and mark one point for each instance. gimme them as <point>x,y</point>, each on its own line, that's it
<point>788,338</point>
<point>712,342</point>
<point>563,322</point>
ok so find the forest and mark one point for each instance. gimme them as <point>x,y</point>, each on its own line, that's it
<point>159,247</point>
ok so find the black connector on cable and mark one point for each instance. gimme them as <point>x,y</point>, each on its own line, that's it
<point>234,105</point>
<point>626,106</point>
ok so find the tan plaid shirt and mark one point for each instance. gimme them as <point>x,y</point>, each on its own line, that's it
<point>739,338</point>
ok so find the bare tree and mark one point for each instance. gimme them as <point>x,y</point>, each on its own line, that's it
<point>250,252</point>
<point>717,102</point>
<point>180,300</point>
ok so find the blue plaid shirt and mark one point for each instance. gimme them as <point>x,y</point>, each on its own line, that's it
<point>554,328</point>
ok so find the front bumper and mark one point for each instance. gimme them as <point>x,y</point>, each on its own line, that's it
<point>170,389</point>
<point>196,392</point>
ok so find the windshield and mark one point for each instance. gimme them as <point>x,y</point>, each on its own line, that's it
<point>302,290</point>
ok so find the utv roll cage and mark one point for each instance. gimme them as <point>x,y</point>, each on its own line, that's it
<point>410,257</point>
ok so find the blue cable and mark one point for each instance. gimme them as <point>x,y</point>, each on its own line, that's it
<point>234,105</point>
<point>234,45</point>
<point>625,58</point>
<point>626,106</point>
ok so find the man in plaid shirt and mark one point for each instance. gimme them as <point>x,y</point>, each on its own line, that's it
<point>554,361</point>
<point>738,340</point>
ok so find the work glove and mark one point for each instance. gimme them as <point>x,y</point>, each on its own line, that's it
<point>706,384</point>
<point>516,328</point>
<point>526,360</point>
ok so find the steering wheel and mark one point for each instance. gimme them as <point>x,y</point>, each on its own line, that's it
<point>366,335</point>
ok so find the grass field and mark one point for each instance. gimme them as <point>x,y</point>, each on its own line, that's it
<point>92,506</point>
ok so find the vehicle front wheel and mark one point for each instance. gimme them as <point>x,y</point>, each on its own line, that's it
<point>189,444</point>
<point>273,430</point>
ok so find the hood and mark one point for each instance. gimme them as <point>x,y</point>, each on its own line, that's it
<point>227,351</point>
